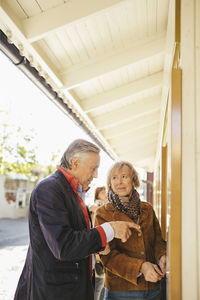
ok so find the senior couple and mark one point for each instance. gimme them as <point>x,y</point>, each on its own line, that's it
<point>61,255</point>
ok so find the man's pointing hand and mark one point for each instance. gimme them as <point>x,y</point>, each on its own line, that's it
<point>122,229</point>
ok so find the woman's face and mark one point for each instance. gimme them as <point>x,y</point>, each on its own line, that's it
<point>121,181</point>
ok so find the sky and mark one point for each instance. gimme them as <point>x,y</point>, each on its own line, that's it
<point>30,109</point>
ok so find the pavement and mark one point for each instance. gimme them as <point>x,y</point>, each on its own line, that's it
<point>14,239</point>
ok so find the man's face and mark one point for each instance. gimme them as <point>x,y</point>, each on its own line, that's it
<point>85,168</point>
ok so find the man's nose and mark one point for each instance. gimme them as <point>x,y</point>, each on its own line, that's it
<point>95,174</point>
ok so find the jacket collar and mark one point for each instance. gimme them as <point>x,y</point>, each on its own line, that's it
<point>73,181</point>
<point>118,215</point>
<point>70,178</point>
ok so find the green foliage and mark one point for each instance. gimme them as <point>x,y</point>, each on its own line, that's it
<point>17,152</point>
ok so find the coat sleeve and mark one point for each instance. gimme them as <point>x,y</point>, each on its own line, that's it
<point>64,242</point>
<point>114,261</point>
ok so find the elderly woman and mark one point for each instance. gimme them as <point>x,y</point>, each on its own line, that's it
<point>132,269</point>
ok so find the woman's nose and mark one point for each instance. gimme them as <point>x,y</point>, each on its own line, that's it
<point>119,180</point>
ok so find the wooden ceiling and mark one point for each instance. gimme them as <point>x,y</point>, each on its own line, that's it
<point>108,59</point>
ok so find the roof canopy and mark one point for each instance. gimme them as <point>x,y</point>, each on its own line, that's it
<point>109,62</point>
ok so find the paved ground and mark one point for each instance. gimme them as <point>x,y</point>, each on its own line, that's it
<point>13,248</point>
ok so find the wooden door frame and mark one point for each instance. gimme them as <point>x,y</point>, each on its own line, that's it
<point>175,203</point>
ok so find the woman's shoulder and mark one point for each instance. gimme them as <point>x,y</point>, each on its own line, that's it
<point>146,205</point>
<point>105,208</point>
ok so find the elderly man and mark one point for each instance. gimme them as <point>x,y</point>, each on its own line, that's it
<point>59,262</point>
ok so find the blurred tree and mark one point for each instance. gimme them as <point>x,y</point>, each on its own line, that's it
<point>17,150</point>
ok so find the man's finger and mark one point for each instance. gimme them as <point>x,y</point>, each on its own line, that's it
<point>123,240</point>
<point>133,225</point>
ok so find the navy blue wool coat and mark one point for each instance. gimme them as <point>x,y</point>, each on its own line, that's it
<point>57,262</point>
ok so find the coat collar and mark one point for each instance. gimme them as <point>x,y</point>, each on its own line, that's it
<point>70,178</point>
<point>73,181</point>
<point>120,216</point>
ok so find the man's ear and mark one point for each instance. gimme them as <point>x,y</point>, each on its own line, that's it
<point>75,163</point>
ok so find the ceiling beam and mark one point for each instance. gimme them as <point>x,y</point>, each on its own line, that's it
<point>147,163</point>
<point>137,148</point>
<point>108,63</point>
<point>132,126</point>
<point>141,153</point>
<point>133,90</point>
<point>127,113</point>
<point>71,12</point>
<point>141,136</point>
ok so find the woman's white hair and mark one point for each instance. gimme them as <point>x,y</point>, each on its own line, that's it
<point>77,149</point>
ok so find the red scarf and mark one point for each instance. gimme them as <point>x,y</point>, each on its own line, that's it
<point>74,184</point>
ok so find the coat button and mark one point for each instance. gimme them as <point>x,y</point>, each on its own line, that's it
<point>142,252</point>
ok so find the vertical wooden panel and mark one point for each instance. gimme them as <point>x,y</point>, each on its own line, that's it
<point>157,193</point>
<point>164,193</point>
<point>150,187</point>
<point>175,203</point>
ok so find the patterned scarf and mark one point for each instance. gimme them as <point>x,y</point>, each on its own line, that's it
<point>131,207</point>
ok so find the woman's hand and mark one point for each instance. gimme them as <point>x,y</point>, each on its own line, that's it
<point>151,272</point>
<point>162,264</point>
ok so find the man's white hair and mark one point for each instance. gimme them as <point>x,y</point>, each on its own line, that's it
<point>77,148</point>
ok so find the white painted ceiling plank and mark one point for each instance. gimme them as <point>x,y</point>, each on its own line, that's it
<point>121,93</point>
<point>135,98</point>
<point>137,149</point>
<point>46,52</point>
<point>69,47</point>
<point>55,18</point>
<point>76,41</point>
<point>61,51</point>
<point>127,113</point>
<point>152,16</point>
<point>19,12</point>
<point>108,64</point>
<point>30,8</point>
<point>141,16</point>
<point>139,135</point>
<point>114,30</point>
<point>132,126</point>
<point>45,5</point>
<point>138,153</point>
<point>145,163</point>
<point>85,36</point>
<point>122,23</point>
<point>102,29</point>
<point>162,17</point>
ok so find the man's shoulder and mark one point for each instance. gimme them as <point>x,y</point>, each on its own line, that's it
<point>53,180</point>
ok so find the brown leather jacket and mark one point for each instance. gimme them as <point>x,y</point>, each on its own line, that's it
<point>122,264</point>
